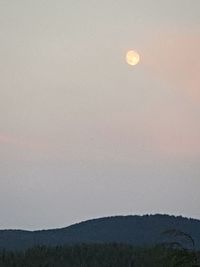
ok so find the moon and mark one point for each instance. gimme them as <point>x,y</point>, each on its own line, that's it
<point>132,57</point>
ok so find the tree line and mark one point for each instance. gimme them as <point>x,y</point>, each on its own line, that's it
<point>100,255</point>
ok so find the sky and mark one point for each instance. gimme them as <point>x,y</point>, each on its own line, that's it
<point>82,133</point>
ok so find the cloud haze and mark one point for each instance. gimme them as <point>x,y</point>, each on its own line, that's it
<point>83,134</point>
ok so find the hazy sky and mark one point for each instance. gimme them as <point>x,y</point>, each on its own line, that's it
<point>83,134</point>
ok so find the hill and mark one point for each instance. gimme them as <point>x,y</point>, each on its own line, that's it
<point>135,230</point>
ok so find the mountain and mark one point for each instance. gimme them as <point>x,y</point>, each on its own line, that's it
<point>144,230</point>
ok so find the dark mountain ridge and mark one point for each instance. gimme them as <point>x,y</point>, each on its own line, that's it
<point>137,230</point>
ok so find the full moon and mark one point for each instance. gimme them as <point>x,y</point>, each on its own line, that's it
<point>132,58</point>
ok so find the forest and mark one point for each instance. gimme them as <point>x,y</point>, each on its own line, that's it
<point>100,255</point>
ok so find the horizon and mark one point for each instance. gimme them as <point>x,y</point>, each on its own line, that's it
<point>99,218</point>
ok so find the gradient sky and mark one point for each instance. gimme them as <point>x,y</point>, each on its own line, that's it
<point>83,134</point>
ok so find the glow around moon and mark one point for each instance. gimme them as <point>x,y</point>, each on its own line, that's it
<point>132,58</point>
